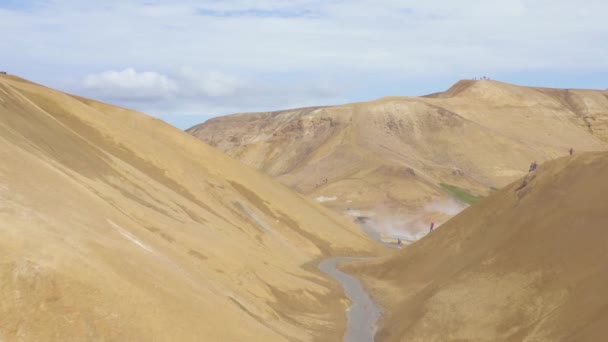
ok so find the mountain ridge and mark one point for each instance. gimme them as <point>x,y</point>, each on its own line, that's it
<point>477,136</point>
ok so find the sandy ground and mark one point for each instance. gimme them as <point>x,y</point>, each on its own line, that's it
<point>117,226</point>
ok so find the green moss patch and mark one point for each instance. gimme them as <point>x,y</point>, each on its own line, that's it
<point>461,194</point>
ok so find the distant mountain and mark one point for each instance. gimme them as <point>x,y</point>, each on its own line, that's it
<point>398,160</point>
<point>529,263</point>
<point>116,226</point>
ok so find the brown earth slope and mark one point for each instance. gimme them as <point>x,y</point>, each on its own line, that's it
<point>529,263</point>
<point>117,226</point>
<point>389,157</point>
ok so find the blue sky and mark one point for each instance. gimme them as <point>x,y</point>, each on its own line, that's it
<point>185,60</point>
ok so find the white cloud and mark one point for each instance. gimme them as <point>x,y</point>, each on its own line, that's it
<point>210,83</point>
<point>130,84</point>
<point>188,90</point>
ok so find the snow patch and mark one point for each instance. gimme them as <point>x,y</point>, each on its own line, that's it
<point>322,199</point>
<point>132,238</point>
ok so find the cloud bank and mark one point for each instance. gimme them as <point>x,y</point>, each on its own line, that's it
<point>129,84</point>
<point>213,56</point>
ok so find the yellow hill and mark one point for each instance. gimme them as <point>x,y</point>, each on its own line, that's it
<point>402,156</point>
<point>526,264</point>
<point>117,226</point>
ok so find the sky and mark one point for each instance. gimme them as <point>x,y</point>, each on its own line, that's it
<point>185,61</point>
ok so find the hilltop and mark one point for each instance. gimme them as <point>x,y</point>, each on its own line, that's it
<point>117,226</point>
<point>400,162</point>
<point>527,263</point>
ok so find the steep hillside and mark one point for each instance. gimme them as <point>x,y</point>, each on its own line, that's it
<point>400,158</point>
<point>117,226</point>
<point>529,263</point>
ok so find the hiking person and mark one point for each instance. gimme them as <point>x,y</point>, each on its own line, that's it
<point>533,166</point>
<point>571,151</point>
<point>432,226</point>
<point>399,242</point>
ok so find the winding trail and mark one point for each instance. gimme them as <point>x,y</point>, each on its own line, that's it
<point>363,314</point>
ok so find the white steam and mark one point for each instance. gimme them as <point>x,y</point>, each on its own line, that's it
<point>448,206</point>
<point>409,226</point>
